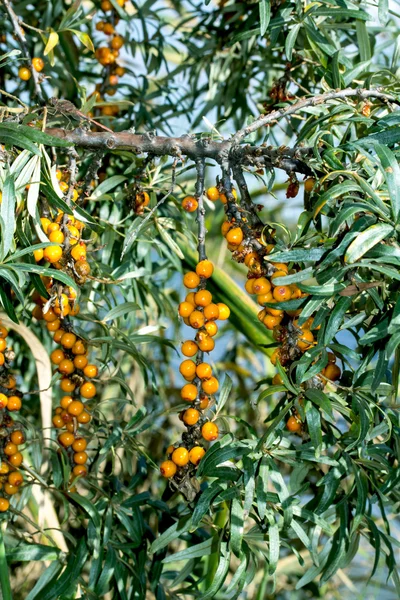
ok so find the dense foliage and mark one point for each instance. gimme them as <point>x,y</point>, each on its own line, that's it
<point>302,481</point>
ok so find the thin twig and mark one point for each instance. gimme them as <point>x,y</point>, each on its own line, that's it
<point>245,195</point>
<point>19,32</point>
<point>263,120</point>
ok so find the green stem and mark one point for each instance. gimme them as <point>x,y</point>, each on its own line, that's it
<point>4,574</point>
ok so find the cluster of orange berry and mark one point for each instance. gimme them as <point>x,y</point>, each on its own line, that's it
<point>190,204</point>
<point>199,312</point>
<point>107,55</point>
<point>293,338</point>
<point>25,73</point>
<point>12,435</point>
<point>69,252</point>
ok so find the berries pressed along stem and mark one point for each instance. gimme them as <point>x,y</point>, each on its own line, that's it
<point>71,357</point>
<point>254,246</point>
<point>199,312</point>
<point>12,432</point>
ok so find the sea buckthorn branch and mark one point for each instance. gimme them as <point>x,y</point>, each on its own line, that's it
<point>245,195</point>
<point>11,432</point>
<point>20,34</point>
<point>285,158</point>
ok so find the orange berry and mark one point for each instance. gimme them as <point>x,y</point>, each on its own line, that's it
<point>78,252</point>
<point>66,401</point>
<point>4,504</point>
<point>2,359</point>
<point>251,258</point>
<point>57,237</point>
<point>204,268</point>
<point>309,184</point>
<point>277,379</point>
<point>15,478</point>
<point>191,416</point>
<point>108,28</point>
<point>197,319</point>
<point>188,369</point>
<point>196,454</point>
<point>66,439</point>
<point>332,372</point>
<point>10,448</point>
<point>282,293</point>
<point>189,348</point>
<point>49,315</point>
<point>211,328</point>
<point>88,389</point>
<point>180,457</point>
<point>261,285</point>
<point>78,348</point>
<point>3,332</point>
<point>205,342</point>
<point>293,424</point>
<point>209,431</point>
<point>189,392</point>
<point>203,371</point>
<point>249,286</point>
<point>91,371</point>
<point>3,401</point>
<point>305,340</point>
<point>275,356</point>
<point>295,291</point>
<point>52,254</point>
<point>84,417</point>
<point>57,421</point>
<point>10,489</point>
<point>53,325</point>
<point>280,267</point>
<point>79,471</point>
<point>202,298</point>
<point>262,299</point>
<point>79,444</point>
<point>191,280</point>
<point>331,358</point>
<point>100,25</point>
<point>211,312</point>
<point>66,366</point>
<point>17,437</point>
<point>24,73</point>
<point>271,322</point>
<point>210,386</point>
<point>106,5</point>
<point>120,71</point>
<point>37,313</point>
<point>80,458</point>
<point>213,194</point>
<point>168,468</point>
<point>15,459</point>
<point>38,254</point>
<point>38,64</point>
<point>204,402</point>
<point>185,309</point>
<point>14,403</point>
<point>75,408</point>
<point>234,236</point>
<point>224,311</point>
<point>57,356</point>
<point>225,227</point>
<point>224,199</point>
<point>190,298</point>
<point>170,450</point>
<point>67,385</point>
<point>190,204</point>
<point>80,361</point>
<point>275,312</point>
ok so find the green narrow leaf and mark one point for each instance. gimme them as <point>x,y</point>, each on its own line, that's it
<point>237,526</point>
<point>366,240</point>
<point>314,428</point>
<point>363,40</point>
<point>8,213</point>
<point>265,16</point>
<point>383,11</point>
<point>291,40</point>
<point>392,174</point>
<point>48,577</point>
<point>120,310</point>
<point>336,318</point>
